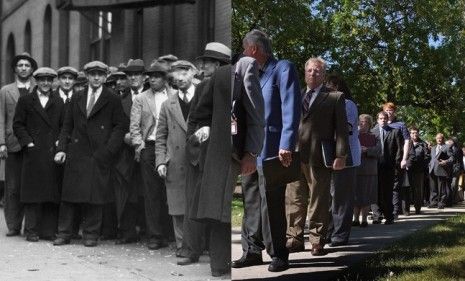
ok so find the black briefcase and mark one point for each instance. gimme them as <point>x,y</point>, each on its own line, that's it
<point>278,175</point>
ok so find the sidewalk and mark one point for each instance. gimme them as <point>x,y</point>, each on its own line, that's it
<point>363,243</point>
<point>21,260</point>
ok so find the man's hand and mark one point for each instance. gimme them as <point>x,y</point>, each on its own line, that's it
<point>442,162</point>
<point>248,164</point>
<point>162,171</point>
<point>364,149</point>
<point>138,152</point>
<point>285,156</point>
<point>60,157</point>
<point>3,152</point>
<point>31,144</point>
<point>339,163</point>
<point>403,164</point>
<point>203,134</point>
<point>127,138</point>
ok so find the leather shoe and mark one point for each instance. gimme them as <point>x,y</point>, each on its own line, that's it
<point>355,223</point>
<point>364,224</point>
<point>376,222</point>
<point>32,238</point>
<point>294,246</point>
<point>389,222</point>
<point>318,250</point>
<point>278,264</point>
<point>12,233</point>
<point>60,241</point>
<point>90,243</point>
<point>126,240</point>
<point>220,272</point>
<point>338,243</point>
<point>187,261</point>
<point>155,245</point>
<point>247,260</point>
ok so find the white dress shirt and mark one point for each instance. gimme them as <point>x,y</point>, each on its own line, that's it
<point>189,93</point>
<point>133,95</point>
<point>160,98</point>
<point>26,85</point>
<point>43,98</point>
<point>97,95</point>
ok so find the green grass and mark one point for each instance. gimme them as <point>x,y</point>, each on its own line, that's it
<point>237,211</point>
<point>434,253</point>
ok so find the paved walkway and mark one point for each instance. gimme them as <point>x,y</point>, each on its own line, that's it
<point>363,243</point>
<point>22,260</point>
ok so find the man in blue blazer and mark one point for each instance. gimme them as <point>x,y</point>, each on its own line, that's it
<point>266,228</point>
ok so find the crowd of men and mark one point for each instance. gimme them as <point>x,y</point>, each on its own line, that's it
<point>153,151</point>
<point>111,153</point>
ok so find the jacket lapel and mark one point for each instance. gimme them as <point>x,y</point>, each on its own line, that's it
<point>150,100</point>
<point>177,112</point>
<point>38,107</point>
<point>126,101</point>
<point>268,71</point>
<point>322,95</point>
<point>82,102</point>
<point>101,101</point>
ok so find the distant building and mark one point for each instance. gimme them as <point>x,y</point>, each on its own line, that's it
<point>73,32</point>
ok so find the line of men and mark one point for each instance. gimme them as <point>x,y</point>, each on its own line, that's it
<point>90,152</point>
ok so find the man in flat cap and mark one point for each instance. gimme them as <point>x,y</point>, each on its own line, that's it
<point>144,122</point>
<point>66,78</point>
<point>37,124</point>
<point>214,56</point>
<point>120,79</point>
<point>89,142</point>
<point>81,82</point>
<point>23,65</point>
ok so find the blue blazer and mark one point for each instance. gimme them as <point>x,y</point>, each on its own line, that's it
<point>281,94</point>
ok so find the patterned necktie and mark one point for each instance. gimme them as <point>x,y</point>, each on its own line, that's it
<point>306,101</point>
<point>91,101</point>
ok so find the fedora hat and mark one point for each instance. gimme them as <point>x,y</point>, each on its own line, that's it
<point>135,65</point>
<point>216,51</point>
<point>24,56</point>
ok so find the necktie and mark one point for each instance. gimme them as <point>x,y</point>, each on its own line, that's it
<point>66,92</point>
<point>91,102</point>
<point>184,98</point>
<point>306,101</point>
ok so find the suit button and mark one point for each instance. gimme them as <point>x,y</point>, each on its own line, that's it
<point>102,127</point>
<point>76,140</point>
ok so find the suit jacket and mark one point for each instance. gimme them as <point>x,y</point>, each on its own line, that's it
<point>170,150</point>
<point>213,199</point>
<point>143,117</point>
<point>446,154</point>
<point>40,180</point>
<point>393,147</point>
<point>326,119</point>
<point>9,95</point>
<point>281,94</point>
<point>94,145</point>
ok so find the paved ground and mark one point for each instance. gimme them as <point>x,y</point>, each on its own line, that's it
<point>363,243</point>
<point>22,260</point>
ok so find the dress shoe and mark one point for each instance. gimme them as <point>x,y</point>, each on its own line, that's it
<point>90,242</point>
<point>318,250</point>
<point>364,224</point>
<point>155,245</point>
<point>220,272</point>
<point>32,238</point>
<point>126,240</point>
<point>76,236</point>
<point>355,223</point>
<point>431,206</point>
<point>294,246</point>
<point>107,237</point>
<point>60,241</point>
<point>417,211</point>
<point>12,233</point>
<point>278,264</point>
<point>247,260</point>
<point>389,221</point>
<point>338,243</point>
<point>187,260</point>
<point>376,222</point>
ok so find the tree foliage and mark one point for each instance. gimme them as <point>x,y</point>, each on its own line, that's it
<point>405,51</point>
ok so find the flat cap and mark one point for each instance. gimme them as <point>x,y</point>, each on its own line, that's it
<point>96,65</point>
<point>67,69</point>
<point>45,72</point>
<point>169,58</point>
<point>81,78</point>
<point>157,67</point>
<point>183,64</point>
<point>135,65</point>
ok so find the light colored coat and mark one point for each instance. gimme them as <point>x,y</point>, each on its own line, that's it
<point>143,117</point>
<point>9,95</point>
<point>170,151</point>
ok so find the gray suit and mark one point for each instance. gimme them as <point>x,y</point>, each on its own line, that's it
<point>440,174</point>
<point>14,213</point>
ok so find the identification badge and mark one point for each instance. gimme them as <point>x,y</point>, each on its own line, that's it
<point>233,127</point>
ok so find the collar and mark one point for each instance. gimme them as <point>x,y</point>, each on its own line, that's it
<point>26,85</point>
<point>316,90</point>
<point>40,93</point>
<point>140,90</point>
<point>97,92</point>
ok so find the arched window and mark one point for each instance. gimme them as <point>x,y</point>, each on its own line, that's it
<point>27,37</point>
<point>47,36</point>
<point>10,54</point>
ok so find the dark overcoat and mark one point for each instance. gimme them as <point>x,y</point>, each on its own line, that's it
<point>94,144</point>
<point>40,178</point>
